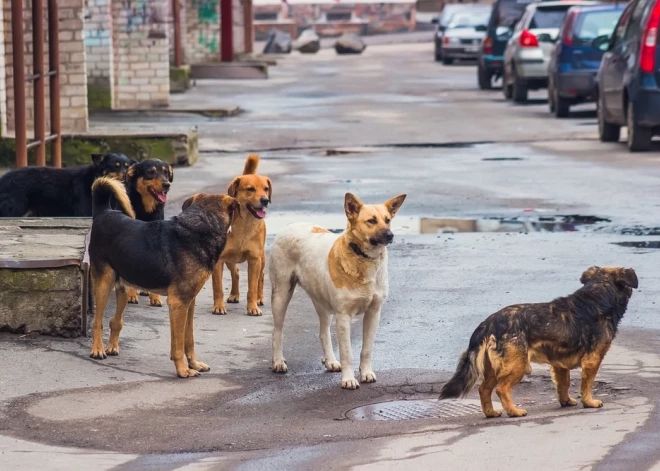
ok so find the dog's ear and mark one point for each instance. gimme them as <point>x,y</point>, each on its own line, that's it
<point>98,159</point>
<point>188,202</point>
<point>170,173</point>
<point>233,187</point>
<point>132,162</point>
<point>589,274</point>
<point>130,173</point>
<point>234,207</point>
<point>628,277</point>
<point>352,206</point>
<point>270,190</point>
<point>394,204</point>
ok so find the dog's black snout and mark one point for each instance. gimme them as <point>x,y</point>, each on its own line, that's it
<point>389,237</point>
<point>264,201</point>
<point>166,185</point>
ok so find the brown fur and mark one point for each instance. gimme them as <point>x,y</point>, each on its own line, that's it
<point>246,241</point>
<point>569,332</point>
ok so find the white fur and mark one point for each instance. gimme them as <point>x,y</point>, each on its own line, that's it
<point>300,256</point>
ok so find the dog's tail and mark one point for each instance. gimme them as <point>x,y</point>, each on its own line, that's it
<point>470,366</point>
<point>251,164</point>
<point>107,191</point>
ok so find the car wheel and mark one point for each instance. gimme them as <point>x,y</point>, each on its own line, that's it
<point>639,137</point>
<point>484,77</point>
<point>507,90</point>
<point>562,106</point>
<point>519,89</point>
<point>447,61</point>
<point>607,132</point>
<point>438,57</point>
<point>551,98</point>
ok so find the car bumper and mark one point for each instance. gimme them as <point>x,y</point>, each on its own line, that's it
<point>576,85</point>
<point>647,107</point>
<point>493,63</point>
<point>531,64</point>
<point>461,52</point>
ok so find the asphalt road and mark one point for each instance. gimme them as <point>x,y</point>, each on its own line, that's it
<point>388,122</point>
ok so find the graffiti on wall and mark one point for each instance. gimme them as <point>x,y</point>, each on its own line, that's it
<point>208,24</point>
<point>144,16</point>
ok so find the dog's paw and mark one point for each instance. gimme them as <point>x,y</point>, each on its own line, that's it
<point>349,383</point>
<point>133,298</point>
<point>112,350</point>
<point>569,403</point>
<point>155,301</point>
<point>144,293</point>
<point>220,310</point>
<point>199,366</point>
<point>279,366</point>
<point>368,377</point>
<point>187,373</point>
<point>332,365</point>
<point>260,302</point>
<point>254,311</point>
<point>592,404</point>
<point>98,353</point>
<point>233,298</point>
<point>517,412</point>
<point>491,414</point>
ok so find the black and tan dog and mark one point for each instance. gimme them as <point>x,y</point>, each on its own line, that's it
<point>57,192</point>
<point>174,258</point>
<point>147,183</point>
<point>572,331</point>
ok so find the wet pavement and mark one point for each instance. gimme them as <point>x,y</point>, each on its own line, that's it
<point>505,205</point>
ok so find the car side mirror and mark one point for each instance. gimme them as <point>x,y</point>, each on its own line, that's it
<point>544,38</point>
<point>435,21</point>
<point>602,43</point>
<point>481,28</point>
<point>442,28</point>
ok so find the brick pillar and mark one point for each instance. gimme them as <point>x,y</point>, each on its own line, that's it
<point>140,48</point>
<point>3,76</point>
<point>239,27</point>
<point>73,71</point>
<point>98,47</point>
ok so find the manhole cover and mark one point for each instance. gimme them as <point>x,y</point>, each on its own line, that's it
<point>422,409</point>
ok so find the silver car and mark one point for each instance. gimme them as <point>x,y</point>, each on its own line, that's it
<point>527,53</point>
<point>464,33</point>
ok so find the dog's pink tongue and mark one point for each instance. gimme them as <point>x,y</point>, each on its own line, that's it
<point>162,197</point>
<point>260,212</point>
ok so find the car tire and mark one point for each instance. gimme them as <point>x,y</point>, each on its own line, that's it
<point>438,57</point>
<point>519,89</point>
<point>607,132</point>
<point>562,106</point>
<point>639,137</point>
<point>447,61</point>
<point>484,78</point>
<point>507,89</point>
<point>551,98</point>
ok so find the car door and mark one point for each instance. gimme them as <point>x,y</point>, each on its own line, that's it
<point>512,44</point>
<point>614,64</point>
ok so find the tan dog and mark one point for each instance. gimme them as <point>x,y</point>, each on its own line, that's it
<point>246,241</point>
<point>344,276</point>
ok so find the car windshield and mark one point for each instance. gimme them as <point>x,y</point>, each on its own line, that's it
<point>548,17</point>
<point>469,20</point>
<point>508,13</point>
<point>594,24</point>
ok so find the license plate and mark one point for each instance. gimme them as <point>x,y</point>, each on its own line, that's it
<point>472,48</point>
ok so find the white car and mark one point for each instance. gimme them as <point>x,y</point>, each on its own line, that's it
<point>527,53</point>
<point>463,36</point>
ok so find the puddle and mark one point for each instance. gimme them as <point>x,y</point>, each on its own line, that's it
<point>641,231</point>
<point>410,225</point>
<point>642,244</point>
<point>501,159</point>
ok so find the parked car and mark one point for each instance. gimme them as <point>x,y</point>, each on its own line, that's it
<point>503,17</point>
<point>464,33</point>
<point>443,20</point>
<point>527,52</point>
<point>574,61</point>
<point>629,77</point>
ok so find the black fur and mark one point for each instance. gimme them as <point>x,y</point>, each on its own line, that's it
<point>56,192</point>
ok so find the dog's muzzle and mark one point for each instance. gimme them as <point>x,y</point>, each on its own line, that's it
<point>383,238</point>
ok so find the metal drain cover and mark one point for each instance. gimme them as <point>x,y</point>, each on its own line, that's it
<point>420,409</point>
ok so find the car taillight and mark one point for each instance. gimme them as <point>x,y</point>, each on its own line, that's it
<point>528,39</point>
<point>446,40</point>
<point>647,54</point>
<point>488,46</point>
<point>567,32</point>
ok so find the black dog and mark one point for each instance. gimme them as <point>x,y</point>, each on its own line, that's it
<point>147,184</point>
<point>57,192</point>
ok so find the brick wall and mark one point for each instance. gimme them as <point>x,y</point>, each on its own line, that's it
<point>3,77</point>
<point>73,73</point>
<point>98,47</point>
<point>202,37</point>
<point>140,54</point>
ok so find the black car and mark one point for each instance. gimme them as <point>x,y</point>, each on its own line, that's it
<point>629,77</point>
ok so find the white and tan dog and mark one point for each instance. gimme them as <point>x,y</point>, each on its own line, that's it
<point>343,275</point>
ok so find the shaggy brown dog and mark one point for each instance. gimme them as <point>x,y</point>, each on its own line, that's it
<point>573,331</point>
<point>246,241</point>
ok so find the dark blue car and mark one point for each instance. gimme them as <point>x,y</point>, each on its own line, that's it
<point>574,61</point>
<point>629,77</point>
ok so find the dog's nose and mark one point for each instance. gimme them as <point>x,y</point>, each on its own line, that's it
<point>389,237</point>
<point>166,185</point>
<point>264,201</point>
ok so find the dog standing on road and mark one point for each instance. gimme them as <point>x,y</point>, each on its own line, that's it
<point>246,241</point>
<point>147,183</point>
<point>573,331</point>
<point>174,258</point>
<point>344,276</point>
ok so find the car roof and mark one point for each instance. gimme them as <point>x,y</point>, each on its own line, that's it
<point>581,9</point>
<point>562,3</point>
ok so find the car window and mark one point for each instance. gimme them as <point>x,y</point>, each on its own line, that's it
<point>508,13</point>
<point>635,24</point>
<point>468,20</point>
<point>548,17</point>
<point>621,26</point>
<point>594,24</point>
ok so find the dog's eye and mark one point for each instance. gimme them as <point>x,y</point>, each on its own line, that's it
<point>372,221</point>
<point>266,189</point>
<point>387,220</point>
<point>250,190</point>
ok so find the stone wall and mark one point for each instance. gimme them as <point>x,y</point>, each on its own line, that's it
<point>98,47</point>
<point>140,54</point>
<point>202,30</point>
<point>73,76</point>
